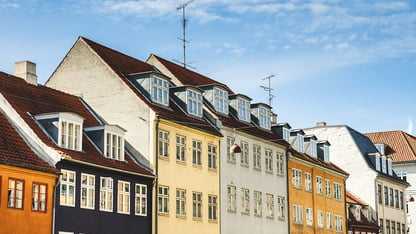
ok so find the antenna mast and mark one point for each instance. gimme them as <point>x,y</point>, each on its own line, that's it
<point>268,89</point>
<point>183,39</point>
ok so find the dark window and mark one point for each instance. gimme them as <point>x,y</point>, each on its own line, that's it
<point>379,193</point>
<point>386,196</point>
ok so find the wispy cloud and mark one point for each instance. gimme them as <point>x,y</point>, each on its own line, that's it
<point>9,4</point>
<point>409,126</point>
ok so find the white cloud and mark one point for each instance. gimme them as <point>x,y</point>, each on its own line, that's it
<point>391,6</point>
<point>8,4</point>
<point>409,126</point>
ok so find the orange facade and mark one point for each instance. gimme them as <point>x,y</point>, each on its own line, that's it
<point>312,208</point>
<point>26,200</point>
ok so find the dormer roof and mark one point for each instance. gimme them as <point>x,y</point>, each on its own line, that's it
<point>255,105</point>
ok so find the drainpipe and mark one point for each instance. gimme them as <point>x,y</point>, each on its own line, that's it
<point>54,201</point>
<point>287,189</point>
<point>156,183</point>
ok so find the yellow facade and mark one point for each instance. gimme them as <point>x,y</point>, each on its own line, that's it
<point>186,176</point>
<point>25,220</point>
<point>314,200</point>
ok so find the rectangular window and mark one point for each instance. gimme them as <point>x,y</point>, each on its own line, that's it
<point>314,148</point>
<point>245,201</point>
<point>181,202</point>
<point>281,208</point>
<point>87,191</point>
<point>15,193</point>
<point>297,178</point>
<point>387,226</point>
<point>300,143</point>
<point>401,200</point>
<point>399,231</point>
<point>163,144</point>
<point>70,135</point>
<point>396,198</point>
<point>141,199</point>
<point>160,91</point>
<point>280,164</point>
<point>123,197</point>
<point>212,157</point>
<point>244,153</point>
<point>221,101</point>
<point>328,221</point>
<point>67,197</point>
<point>297,214</point>
<point>269,205</point>
<point>230,155</point>
<point>403,228</point>
<point>163,200</point>
<point>256,157</point>
<point>106,194</point>
<point>194,103</point>
<point>308,182</point>
<point>319,185</point>
<point>257,203</point>
<point>243,110</point>
<point>386,196</point>
<point>393,227</point>
<point>196,152</point>
<point>180,148</point>
<point>212,207</point>
<point>328,188</point>
<point>391,198</point>
<point>338,223</point>
<point>39,196</point>
<point>337,191</point>
<point>286,134</point>
<point>114,146</point>
<point>379,194</point>
<point>264,118</point>
<point>320,219</point>
<point>197,205</point>
<point>381,224</point>
<point>268,159</point>
<point>309,217</point>
<point>231,194</point>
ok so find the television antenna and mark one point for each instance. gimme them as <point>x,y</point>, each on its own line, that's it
<point>268,88</point>
<point>183,39</point>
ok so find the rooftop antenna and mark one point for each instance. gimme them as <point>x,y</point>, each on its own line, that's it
<point>183,39</point>
<point>268,89</point>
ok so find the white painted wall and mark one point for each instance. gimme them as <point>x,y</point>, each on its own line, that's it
<point>410,168</point>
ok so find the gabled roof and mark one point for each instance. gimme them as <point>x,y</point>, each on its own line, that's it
<point>399,145</point>
<point>124,65</point>
<point>188,77</point>
<point>363,223</point>
<point>351,198</point>
<point>14,151</point>
<point>29,100</point>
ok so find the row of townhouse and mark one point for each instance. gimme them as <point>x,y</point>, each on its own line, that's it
<point>152,147</point>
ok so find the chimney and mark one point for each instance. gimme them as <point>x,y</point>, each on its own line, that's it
<point>273,118</point>
<point>321,124</point>
<point>27,71</point>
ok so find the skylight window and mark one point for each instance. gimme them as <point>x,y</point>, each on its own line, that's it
<point>194,103</point>
<point>221,100</point>
<point>160,91</point>
<point>244,109</point>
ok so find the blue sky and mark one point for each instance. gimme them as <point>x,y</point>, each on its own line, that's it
<point>342,62</point>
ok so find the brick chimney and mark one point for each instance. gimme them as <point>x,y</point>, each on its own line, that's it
<point>27,71</point>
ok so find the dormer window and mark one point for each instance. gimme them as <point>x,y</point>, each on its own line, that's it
<point>383,164</point>
<point>326,153</point>
<point>314,148</point>
<point>221,100</point>
<point>389,166</point>
<point>380,147</point>
<point>114,146</point>
<point>160,92</point>
<point>244,109</point>
<point>264,117</point>
<point>300,143</point>
<point>194,103</point>
<point>286,134</point>
<point>377,162</point>
<point>109,139</point>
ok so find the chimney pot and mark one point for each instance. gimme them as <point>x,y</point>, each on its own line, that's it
<point>321,124</point>
<point>27,71</point>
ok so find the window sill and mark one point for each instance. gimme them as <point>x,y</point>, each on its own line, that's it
<point>257,168</point>
<point>197,219</point>
<point>232,211</point>
<point>270,217</point>
<point>281,219</point>
<point>244,165</point>
<point>231,161</point>
<point>164,158</point>
<point>213,221</point>
<point>181,162</point>
<point>258,215</point>
<point>181,216</point>
<point>213,170</point>
<point>163,214</point>
<point>269,172</point>
<point>245,213</point>
<point>197,166</point>
<point>281,174</point>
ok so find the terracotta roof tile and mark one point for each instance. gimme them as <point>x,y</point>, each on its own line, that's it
<point>400,145</point>
<point>351,198</point>
<point>29,100</point>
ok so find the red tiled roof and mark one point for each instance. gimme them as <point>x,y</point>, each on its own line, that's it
<point>14,150</point>
<point>400,145</point>
<point>363,224</point>
<point>29,100</point>
<point>124,65</point>
<point>351,198</point>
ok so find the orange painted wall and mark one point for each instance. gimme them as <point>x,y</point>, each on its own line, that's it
<point>25,220</point>
<point>314,200</point>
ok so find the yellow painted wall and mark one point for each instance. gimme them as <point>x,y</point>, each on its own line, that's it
<point>313,199</point>
<point>25,220</point>
<point>191,178</point>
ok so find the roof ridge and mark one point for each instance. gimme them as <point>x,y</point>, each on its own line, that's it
<point>409,145</point>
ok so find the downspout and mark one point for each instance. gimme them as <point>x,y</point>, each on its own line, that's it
<point>287,189</point>
<point>54,201</point>
<point>219,184</point>
<point>156,184</point>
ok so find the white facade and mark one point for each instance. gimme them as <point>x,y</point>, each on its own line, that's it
<point>347,147</point>
<point>409,170</point>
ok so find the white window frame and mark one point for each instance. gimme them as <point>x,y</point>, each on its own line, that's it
<point>114,146</point>
<point>70,138</point>
<point>194,102</point>
<point>221,100</point>
<point>300,139</point>
<point>280,164</point>
<point>269,206</point>
<point>286,134</point>
<point>180,148</point>
<point>309,217</point>
<point>163,138</point>
<point>106,194</point>
<point>160,91</point>
<point>264,118</point>
<point>326,153</point>
<point>296,178</point>
<point>320,215</point>
<point>163,199</point>
<point>243,109</point>
<point>337,191</point>
<point>268,160</point>
<point>257,157</point>
<point>244,153</point>
<point>212,157</point>
<point>232,201</point>
<point>377,158</point>
<point>328,188</point>
<point>196,152</point>
<point>308,182</point>
<point>328,221</point>
<point>245,201</point>
<point>87,191</point>
<point>314,148</point>
<point>257,197</point>
<point>319,185</point>
<point>123,197</point>
<point>140,200</point>
<point>297,214</point>
<point>197,205</point>
<point>281,207</point>
<point>68,184</point>
<point>339,223</point>
<point>180,202</point>
<point>230,143</point>
<point>212,207</point>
